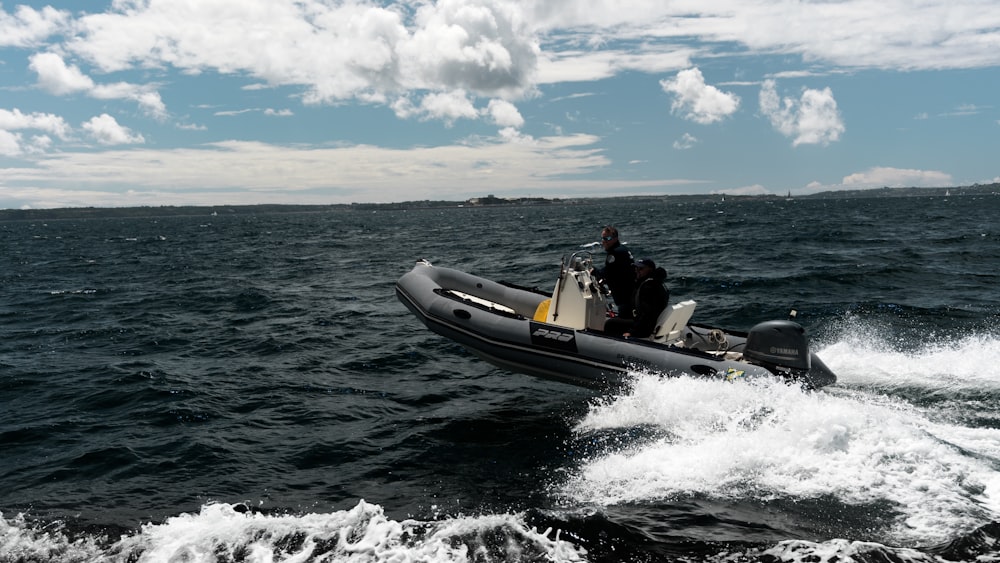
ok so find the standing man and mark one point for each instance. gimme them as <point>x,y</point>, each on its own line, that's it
<point>617,272</point>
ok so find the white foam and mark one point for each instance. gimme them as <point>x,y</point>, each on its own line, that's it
<point>844,550</point>
<point>363,533</point>
<point>766,440</point>
<point>862,355</point>
<point>20,542</point>
<point>226,532</point>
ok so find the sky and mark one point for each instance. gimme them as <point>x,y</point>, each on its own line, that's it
<point>231,102</point>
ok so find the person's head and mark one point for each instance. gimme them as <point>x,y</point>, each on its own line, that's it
<point>609,237</point>
<point>643,268</point>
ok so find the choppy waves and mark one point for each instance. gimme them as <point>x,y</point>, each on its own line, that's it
<point>224,532</point>
<point>179,390</point>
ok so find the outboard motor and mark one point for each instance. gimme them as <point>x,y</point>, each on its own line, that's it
<point>779,346</point>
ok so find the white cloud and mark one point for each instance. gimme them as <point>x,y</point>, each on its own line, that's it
<point>494,48</point>
<point>484,47</point>
<point>234,112</point>
<point>448,106</point>
<point>697,101</point>
<point>894,34</point>
<point>882,176</point>
<point>60,79</point>
<point>13,143</point>
<point>39,144</point>
<point>107,131</point>
<point>148,99</point>
<point>47,122</point>
<point>454,105</point>
<point>574,65</point>
<point>27,26</point>
<point>812,119</point>
<point>815,188</point>
<point>505,114</point>
<point>686,141</point>
<point>755,189</point>
<point>335,51</point>
<point>475,59</point>
<point>963,110</point>
<point>514,135</point>
<point>355,50</point>
<point>10,143</point>
<point>272,173</point>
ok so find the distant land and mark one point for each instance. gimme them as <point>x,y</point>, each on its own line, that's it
<point>485,201</point>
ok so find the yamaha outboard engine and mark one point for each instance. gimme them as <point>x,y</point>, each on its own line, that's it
<point>779,346</point>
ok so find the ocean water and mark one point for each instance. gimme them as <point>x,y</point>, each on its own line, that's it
<point>246,387</point>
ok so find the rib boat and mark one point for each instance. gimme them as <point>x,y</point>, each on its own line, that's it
<point>559,335</point>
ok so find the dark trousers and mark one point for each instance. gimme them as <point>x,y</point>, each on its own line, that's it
<point>618,326</point>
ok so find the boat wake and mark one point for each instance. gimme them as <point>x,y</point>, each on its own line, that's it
<point>857,446</point>
<point>868,358</point>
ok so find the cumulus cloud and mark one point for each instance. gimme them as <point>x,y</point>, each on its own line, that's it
<point>513,135</point>
<point>59,78</point>
<point>505,114</point>
<point>454,105</point>
<point>10,143</point>
<point>882,177</point>
<point>697,101</point>
<point>15,119</point>
<point>485,47</point>
<point>27,26</point>
<point>448,106</point>
<point>107,131</point>
<point>14,143</point>
<point>810,120</point>
<point>896,177</point>
<point>335,51</point>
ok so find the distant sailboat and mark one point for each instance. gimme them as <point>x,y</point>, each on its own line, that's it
<point>947,193</point>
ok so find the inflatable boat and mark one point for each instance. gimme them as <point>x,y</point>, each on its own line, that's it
<point>559,335</point>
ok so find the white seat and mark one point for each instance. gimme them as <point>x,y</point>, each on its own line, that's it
<point>672,321</point>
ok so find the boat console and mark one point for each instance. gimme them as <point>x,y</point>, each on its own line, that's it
<point>578,301</point>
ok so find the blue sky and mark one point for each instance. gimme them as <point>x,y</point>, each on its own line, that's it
<point>213,102</point>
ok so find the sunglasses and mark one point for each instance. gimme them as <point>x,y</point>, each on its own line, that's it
<point>609,237</point>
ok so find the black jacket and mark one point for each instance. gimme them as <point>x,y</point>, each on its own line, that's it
<point>650,300</point>
<point>619,276</point>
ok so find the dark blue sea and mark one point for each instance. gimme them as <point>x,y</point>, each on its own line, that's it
<point>246,387</point>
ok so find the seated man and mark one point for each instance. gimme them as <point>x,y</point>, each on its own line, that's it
<point>650,300</point>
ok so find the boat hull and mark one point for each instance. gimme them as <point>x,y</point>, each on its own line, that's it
<point>497,322</point>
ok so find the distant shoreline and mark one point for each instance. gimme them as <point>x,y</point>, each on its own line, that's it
<point>482,202</point>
